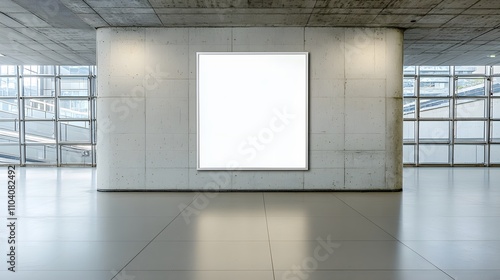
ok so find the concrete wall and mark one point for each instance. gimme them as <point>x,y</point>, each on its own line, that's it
<point>147,107</point>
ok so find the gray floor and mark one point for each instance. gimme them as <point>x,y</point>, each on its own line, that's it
<point>445,225</point>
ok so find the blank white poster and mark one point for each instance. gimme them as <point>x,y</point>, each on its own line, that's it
<point>252,111</point>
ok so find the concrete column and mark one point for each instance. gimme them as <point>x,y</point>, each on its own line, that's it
<point>147,107</point>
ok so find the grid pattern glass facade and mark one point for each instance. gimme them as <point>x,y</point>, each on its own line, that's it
<point>451,115</point>
<point>47,115</point>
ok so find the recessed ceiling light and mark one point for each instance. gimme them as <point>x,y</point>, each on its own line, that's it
<point>492,55</point>
<point>1,54</point>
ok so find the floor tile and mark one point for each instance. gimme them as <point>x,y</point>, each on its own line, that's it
<point>209,255</point>
<point>306,205</point>
<point>483,274</point>
<point>104,205</point>
<point>445,222</point>
<point>424,209</point>
<point>338,228</point>
<point>364,255</point>
<point>225,205</point>
<point>141,204</point>
<point>58,275</point>
<point>198,275</point>
<point>91,229</point>
<point>467,255</point>
<point>441,228</point>
<point>44,256</point>
<point>216,228</point>
<point>363,275</point>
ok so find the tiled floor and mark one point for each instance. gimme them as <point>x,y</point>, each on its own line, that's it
<point>445,225</point>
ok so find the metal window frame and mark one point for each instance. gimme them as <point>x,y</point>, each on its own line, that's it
<point>21,119</point>
<point>453,119</point>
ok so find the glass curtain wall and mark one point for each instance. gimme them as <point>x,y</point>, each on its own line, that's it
<point>451,115</point>
<point>47,115</point>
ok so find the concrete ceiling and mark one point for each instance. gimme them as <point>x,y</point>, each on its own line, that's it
<point>438,32</point>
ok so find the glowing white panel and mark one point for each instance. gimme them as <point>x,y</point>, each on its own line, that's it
<point>252,111</point>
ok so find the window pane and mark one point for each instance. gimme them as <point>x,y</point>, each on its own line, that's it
<point>469,154</point>
<point>433,153</point>
<point>434,130</point>
<point>93,132</point>
<point>36,154</point>
<point>9,131</point>
<point>40,131</point>
<point>434,108</point>
<point>8,86</point>
<point>441,116</point>
<point>74,86</point>
<point>470,70</point>
<point>36,86</point>
<point>434,70</point>
<point>434,86</point>
<point>74,132</point>
<point>409,107</point>
<point>39,108</point>
<point>495,131</point>
<point>470,130</point>
<point>471,108</point>
<point>495,108</point>
<point>8,109</point>
<point>74,70</point>
<point>409,87</point>
<point>40,87</point>
<point>409,70</point>
<point>494,153</point>
<point>81,154</point>
<point>409,131</point>
<point>38,70</point>
<point>495,86</point>
<point>74,109</point>
<point>9,154</point>
<point>8,70</point>
<point>409,154</point>
<point>471,87</point>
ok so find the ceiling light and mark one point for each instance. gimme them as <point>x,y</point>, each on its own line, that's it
<point>1,55</point>
<point>492,55</point>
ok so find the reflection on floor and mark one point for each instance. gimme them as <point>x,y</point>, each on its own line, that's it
<point>445,225</point>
